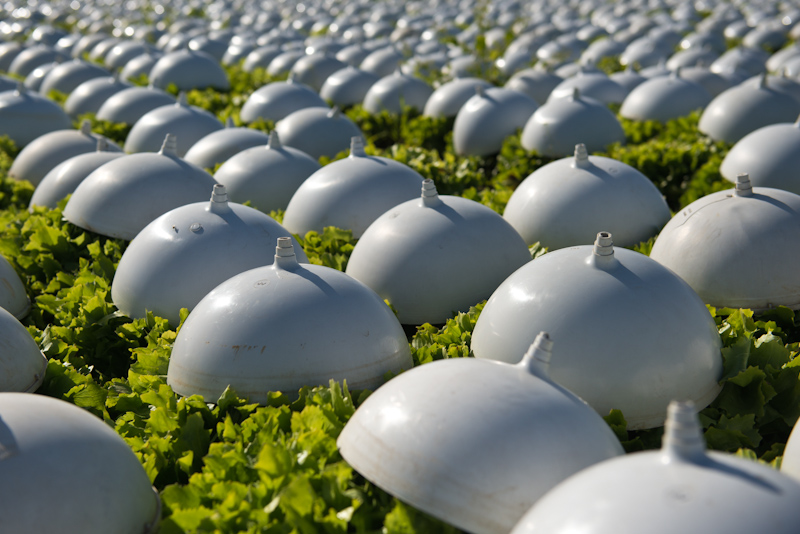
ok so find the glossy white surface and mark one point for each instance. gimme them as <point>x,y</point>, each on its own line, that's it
<point>474,442</point>
<point>286,326</point>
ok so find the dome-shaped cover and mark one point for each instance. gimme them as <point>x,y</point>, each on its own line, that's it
<point>34,56</point>
<point>45,152</point>
<point>260,57</point>
<point>62,455</point>
<point>745,108</point>
<point>188,123</point>
<point>65,77</point>
<point>276,100</point>
<point>449,97</point>
<point>604,292</point>
<point>139,65</point>
<point>741,60</point>
<point>189,69</point>
<point>592,85</point>
<point>711,81</point>
<point>781,83</point>
<point>555,128</point>
<point>347,86</point>
<point>91,94</point>
<point>22,364</point>
<point>282,63</point>
<point>680,488</point>
<point>383,61</point>
<point>285,326</point>
<point>220,145</point>
<point>313,69</point>
<point>395,90</point>
<point>791,455</point>
<point>267,176</point>
<point>351,193</point>
<point>8,51</point>
<point>664,98</point>
<point>222,238</point>
<point>435,255</point>
<point>730,246</point>
<point>563,203</point>
<point>778,59</point>
<point>13,297</point>
<point>488,118</point>
<point>628,78</point>
<point>124,52</point>
<point>33,81</point>
<point>64,178</point>
<point>475,442</point>
<point>317,131</point>
<point>537,83</point>
<point>770,155</point>
<point>24,116</point>
<point>123,196</point>
<point>129,105</point>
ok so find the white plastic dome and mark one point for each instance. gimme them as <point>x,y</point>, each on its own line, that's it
<point>276,100</point>
<point>285,326</point>
<point>139,65</point>
<point>664,98</point>
<point>449,97</point>
<point>45,152</point>
<point>350,193</point>
<point>282,63</point>
<point>435,255</point>
<point>91,94</point>
<point>123,196</point>
<point>313,69</point>
<point>769,155</point>
<point>67,76</point>
<point>129,105</point>
<point>33,81</point>
<point>13,297</point>
<point>347,86</point>
<point>564,202</point>
<point>711,81</point>
<point>790,465</point>
<point>187,123</point>
<point>474,442</point>
<point>383,61</point>
<point>22,364</point>
<point>592,85</point>
<point>743,109</point>
<point>488,118</point>
<point>680,488</point>
<point>534,82</point>
<point>213,241</point>
<point>628,78</point>
<point>31,57</point>
<point>24,116</point>
<point>65,177</point>
<point>555,128</point>
<point>591,296</point>
<point>267,176</point>
<point>317,131</point>
<point>394,90</point>
<point>62,455</point>
<point>220,145</point>
<point>730,247</point>
<point>189,69</point>
<point>260,57</point>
